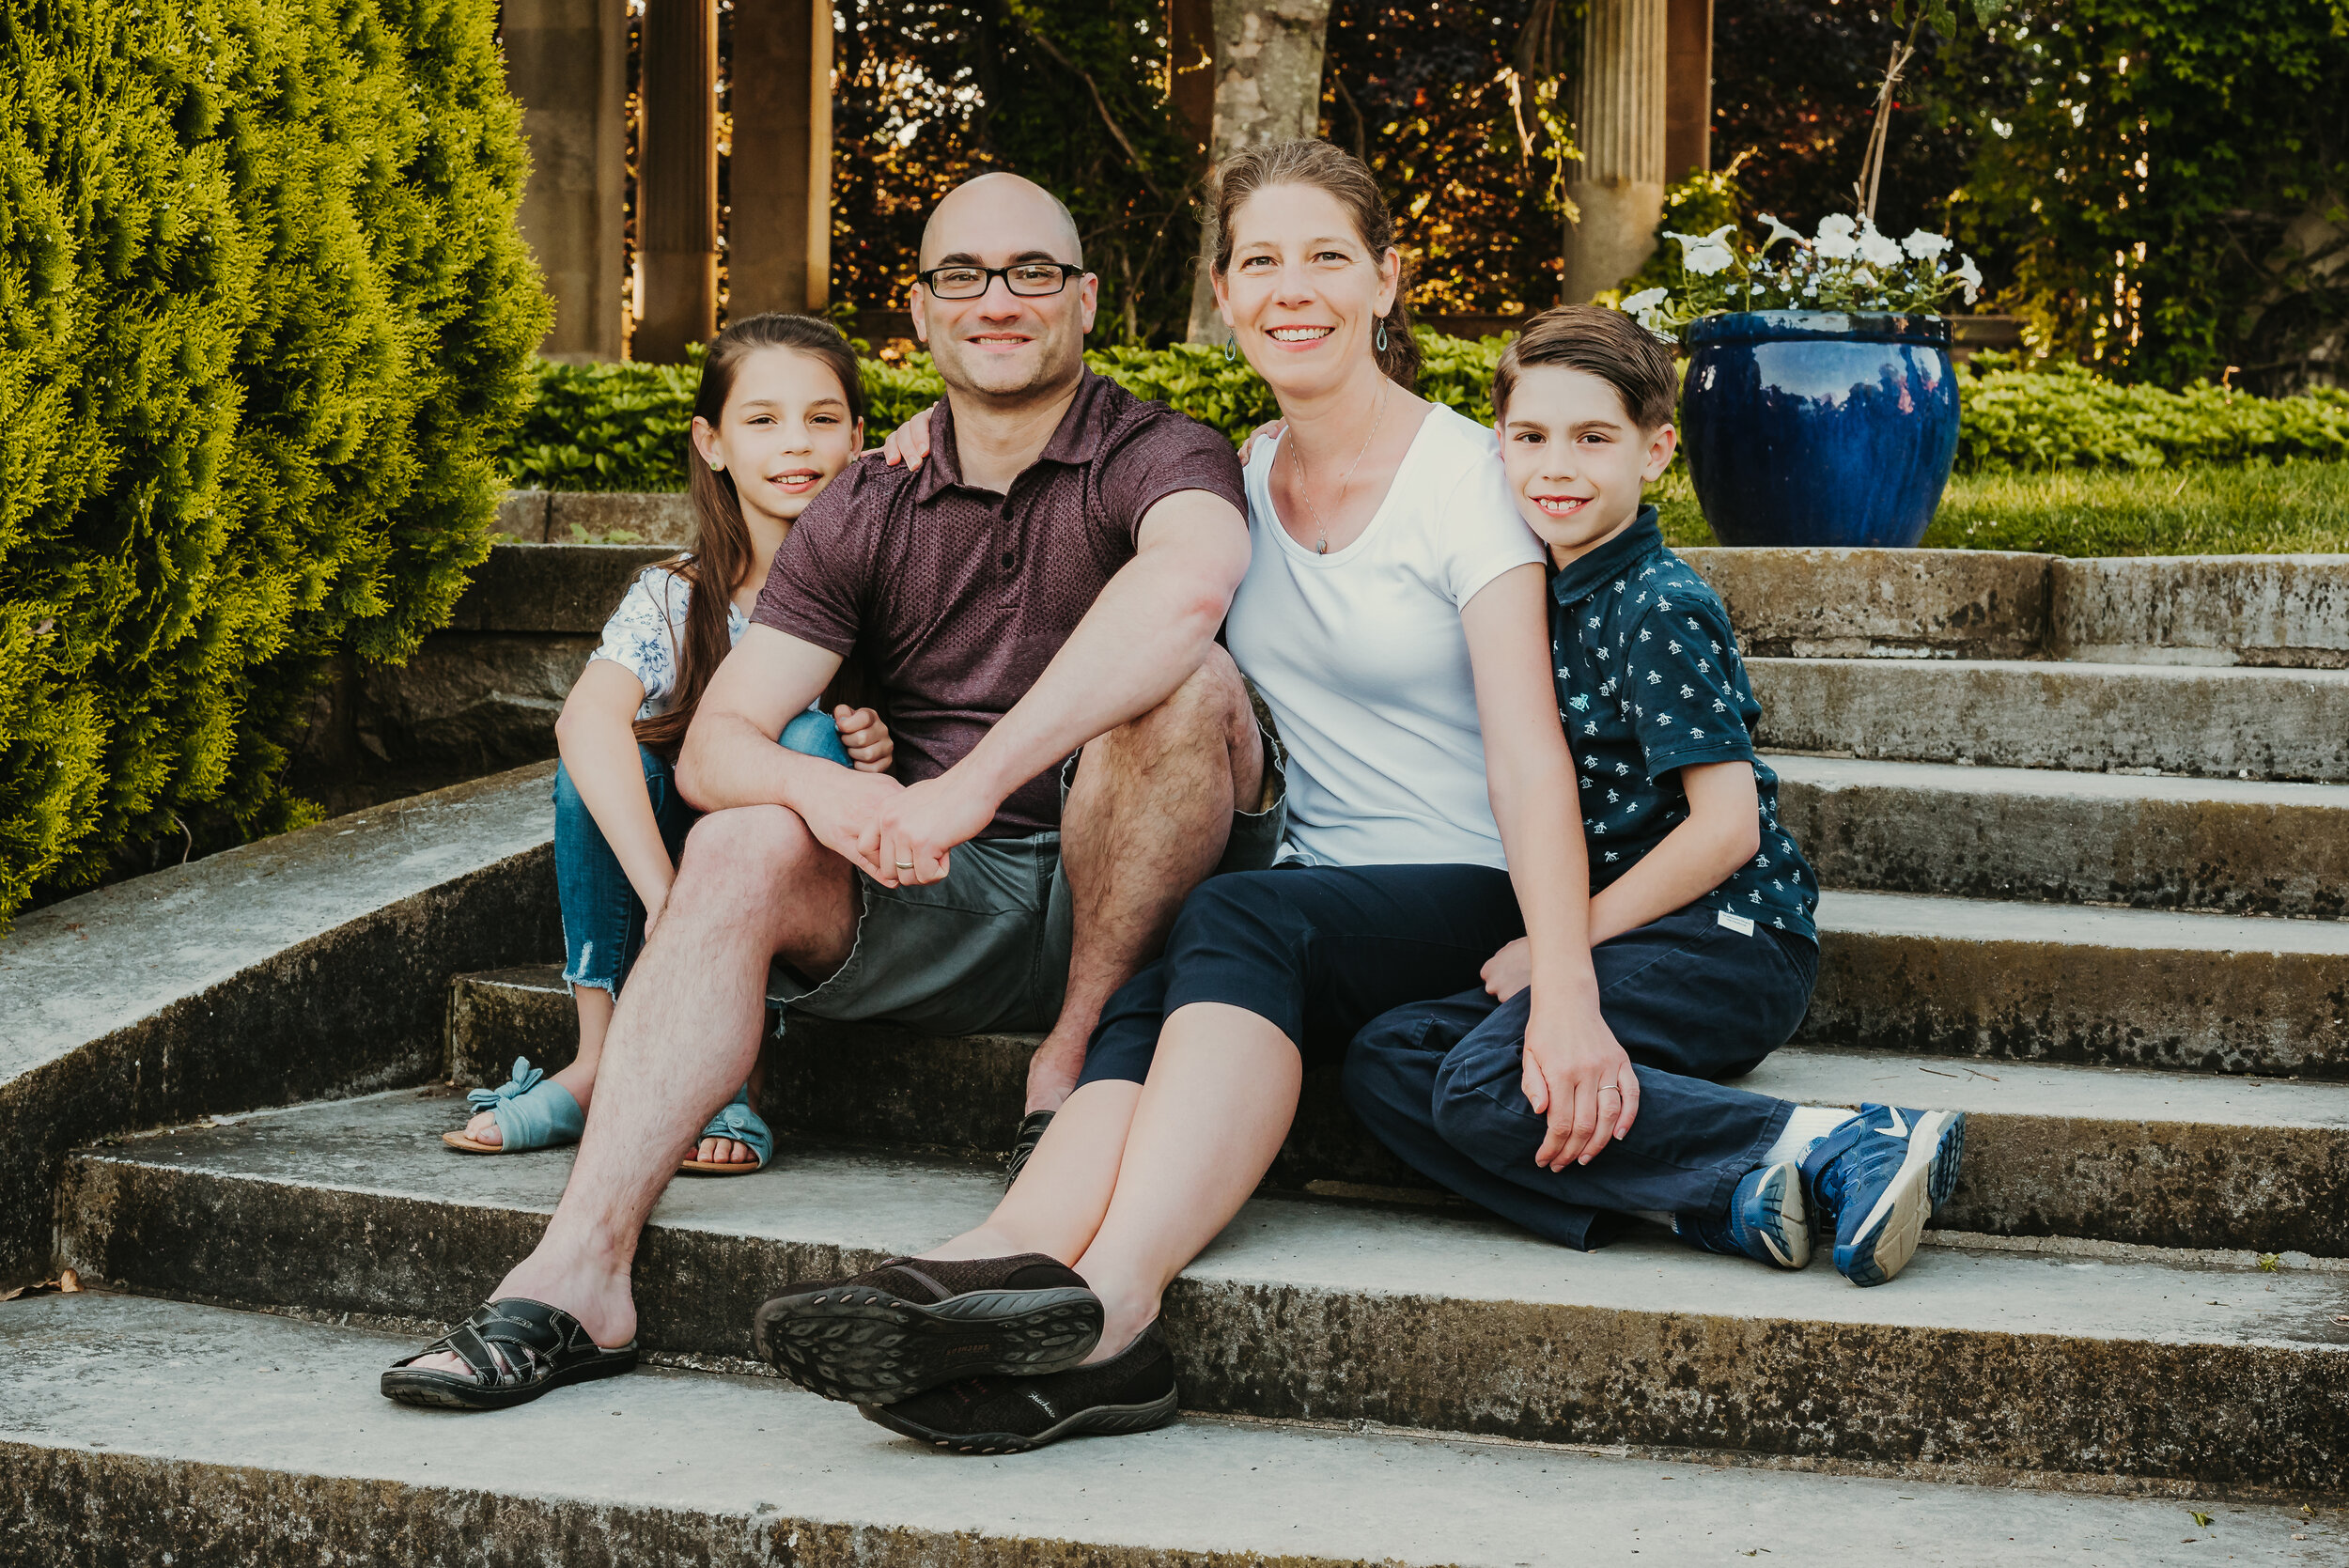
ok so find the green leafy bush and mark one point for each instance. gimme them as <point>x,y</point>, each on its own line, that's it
<point>624,426</point>
<point>2063,416</point>
<point>264,320</point>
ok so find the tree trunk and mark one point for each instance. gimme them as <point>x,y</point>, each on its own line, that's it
<point>1268,89</point>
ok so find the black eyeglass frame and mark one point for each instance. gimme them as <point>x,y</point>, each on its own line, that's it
<point>987,275</point>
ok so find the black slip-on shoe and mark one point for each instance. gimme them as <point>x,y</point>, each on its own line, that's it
<point>1131,1391</point>
<point>915,1322</point>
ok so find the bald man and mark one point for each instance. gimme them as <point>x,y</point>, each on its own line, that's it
<point>1038,603</point>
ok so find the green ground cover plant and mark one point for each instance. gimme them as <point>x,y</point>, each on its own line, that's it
<point>265,321</point>
<point>2202,509</point>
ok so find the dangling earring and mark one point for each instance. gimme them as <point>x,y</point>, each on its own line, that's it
<point>1382,337</point>
<point>1231,350</point>
<point>715,465</point>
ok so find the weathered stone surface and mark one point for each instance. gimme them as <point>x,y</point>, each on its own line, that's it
<point>1429,1319</point>
<point>565,588</point>
<point>2146,1158</point>
<point>1855,604</point>
<point>117,1449</point>
<point>312,964</point>
<point>591,517</point>
<point>879,1083</point>
<point>2116,988</point>
<point>2226,846</point>
<point>2286,724</point>
<point>468,704</point>
<point>2270,610</point>
<point>522,515</point>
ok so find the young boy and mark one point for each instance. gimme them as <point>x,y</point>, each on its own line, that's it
<point>1700,909</point>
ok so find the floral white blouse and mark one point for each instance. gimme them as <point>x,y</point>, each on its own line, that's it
<point>642,635</point>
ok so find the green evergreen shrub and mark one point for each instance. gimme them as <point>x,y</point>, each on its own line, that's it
<point>264,321</point>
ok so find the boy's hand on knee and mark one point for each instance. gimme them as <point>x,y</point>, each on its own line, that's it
<point>866,738</point>
<point>1581,1080</point>
<point>1509,971</point>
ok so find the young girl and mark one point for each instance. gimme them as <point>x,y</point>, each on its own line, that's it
<point>780,412</point>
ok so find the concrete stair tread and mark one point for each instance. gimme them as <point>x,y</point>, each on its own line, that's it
<point>388,1148</point>
<point>163,1397</point>
<point>1989,920</point>
<point>1813,1075</point>
<point>1835,772</point>
<point>2247,676</point>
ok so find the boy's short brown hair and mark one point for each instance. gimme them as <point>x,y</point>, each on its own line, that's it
<point>1606,343</point>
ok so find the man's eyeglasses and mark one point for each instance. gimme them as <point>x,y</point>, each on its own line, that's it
<point>1025,278</point>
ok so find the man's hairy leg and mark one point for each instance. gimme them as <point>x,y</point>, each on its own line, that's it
<point>753,882</point>
<point>1147,820</point>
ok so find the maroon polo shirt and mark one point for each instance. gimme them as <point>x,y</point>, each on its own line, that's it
<point>955,598</point>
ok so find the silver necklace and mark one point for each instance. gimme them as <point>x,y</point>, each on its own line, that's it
<point>1296,461</point>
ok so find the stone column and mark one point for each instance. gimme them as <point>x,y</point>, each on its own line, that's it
<point>1619,116</point>
<point>779,222</point>
<point>676,180</point>
<point>1268,89</point>
<point>567,61</point>
<point>1687,88</point>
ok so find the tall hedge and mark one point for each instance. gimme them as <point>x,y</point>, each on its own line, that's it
<point>264,318</point>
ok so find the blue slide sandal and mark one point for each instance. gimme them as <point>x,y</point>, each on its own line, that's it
<point>738,1121</point>
<point>533,1111</point>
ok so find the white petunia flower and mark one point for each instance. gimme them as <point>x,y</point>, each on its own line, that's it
<point>1837,225</point>
<point>1968,275</point>
<point>1876,249</point>
<point>1705,254</point>
<point>1923,246</point>
<point>1645,299</point>
<point>1779,231</point>
<point>1837,247</point>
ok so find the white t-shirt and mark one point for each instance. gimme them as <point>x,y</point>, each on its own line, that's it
<point>1361,657</point>
<point>644,634</point>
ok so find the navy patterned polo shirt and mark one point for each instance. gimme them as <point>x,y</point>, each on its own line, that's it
<point>1649,682</point>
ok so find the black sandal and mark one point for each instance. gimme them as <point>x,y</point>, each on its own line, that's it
<point>1032,1127</point>
<point>538,1348</point>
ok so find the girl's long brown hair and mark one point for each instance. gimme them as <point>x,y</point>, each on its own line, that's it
<point>721,551</point>
<point>1350,179</point>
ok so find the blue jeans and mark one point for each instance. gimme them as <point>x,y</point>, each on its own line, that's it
<point>1689,1000</point>
<point>603,920</point>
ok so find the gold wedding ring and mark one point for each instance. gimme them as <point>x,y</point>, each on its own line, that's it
<point>905,866</point>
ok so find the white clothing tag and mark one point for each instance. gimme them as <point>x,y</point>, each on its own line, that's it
<point>1738,923</point>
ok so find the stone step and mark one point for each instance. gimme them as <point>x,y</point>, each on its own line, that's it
<point>2225,846</point>
<point>2050,982</point>
<point>2210,722</point>
<point>2146,1158</point>
<point>1999,1362</point>
<point>2279,611</point>
<point>128,1420</point>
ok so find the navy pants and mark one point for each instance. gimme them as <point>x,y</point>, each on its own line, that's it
<point>1692,1000</point>
<point>1319,951</point>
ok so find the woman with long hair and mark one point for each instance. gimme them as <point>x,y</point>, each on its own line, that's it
<point>1393,619</point>
<point>780,412</point>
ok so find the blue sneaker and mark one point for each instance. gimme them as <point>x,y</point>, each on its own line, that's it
<point>1767,1220</point>
<point>1877,1179</point>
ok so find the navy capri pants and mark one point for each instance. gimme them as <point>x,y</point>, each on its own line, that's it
<point>1319,951</point>
<point>1690,1000</point>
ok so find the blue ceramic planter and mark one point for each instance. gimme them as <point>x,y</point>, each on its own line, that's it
<point>1814,428</point>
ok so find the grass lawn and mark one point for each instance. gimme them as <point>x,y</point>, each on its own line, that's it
<point>2260,509</point>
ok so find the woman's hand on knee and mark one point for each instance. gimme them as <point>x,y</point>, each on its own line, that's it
<point>1581,1080</point>
<point>1509,971</point>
